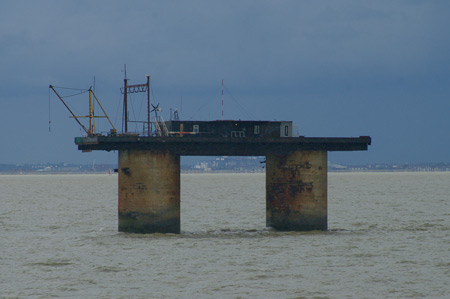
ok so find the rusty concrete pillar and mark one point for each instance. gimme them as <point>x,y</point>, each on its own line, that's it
<point>296,191</point>
<point>149,191</point>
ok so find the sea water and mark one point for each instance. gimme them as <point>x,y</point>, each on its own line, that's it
<point>388,237</point>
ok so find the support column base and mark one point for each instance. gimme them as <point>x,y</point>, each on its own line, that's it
<point>296,222</point>
<point>296,191</point>
<point>149,192</point>
<point>135,222</point>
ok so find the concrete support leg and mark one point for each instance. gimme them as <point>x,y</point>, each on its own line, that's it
<point>149,191</point>
<point>296,191</point>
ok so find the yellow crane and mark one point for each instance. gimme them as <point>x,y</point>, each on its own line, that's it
<point>91,131</point>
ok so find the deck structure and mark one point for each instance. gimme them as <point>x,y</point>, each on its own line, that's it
<point>149,162</point>
<point>149,175</point>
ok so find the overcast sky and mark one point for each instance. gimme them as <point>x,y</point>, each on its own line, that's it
<point>335,68</point>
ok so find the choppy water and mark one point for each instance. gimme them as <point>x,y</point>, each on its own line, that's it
<point>389,237</point>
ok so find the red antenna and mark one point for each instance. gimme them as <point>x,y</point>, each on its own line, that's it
<point>222,99</point>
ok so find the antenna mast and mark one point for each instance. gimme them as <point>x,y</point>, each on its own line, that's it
<point>222,99</point>
<point>125,100</point>
<point>148,105</point>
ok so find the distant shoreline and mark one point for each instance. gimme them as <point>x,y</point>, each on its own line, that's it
<point>220,165</point>
<point>213,172</point>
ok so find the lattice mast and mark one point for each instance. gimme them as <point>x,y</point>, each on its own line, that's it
<point>136,88</point>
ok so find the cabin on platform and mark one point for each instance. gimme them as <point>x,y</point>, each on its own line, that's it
<point>231,128</point>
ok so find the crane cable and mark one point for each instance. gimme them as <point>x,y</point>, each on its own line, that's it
<point>82,90</point>
<point>49,115</point>
<point>244,110</point>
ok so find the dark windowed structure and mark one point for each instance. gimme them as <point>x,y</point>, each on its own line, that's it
<point>230,128</point>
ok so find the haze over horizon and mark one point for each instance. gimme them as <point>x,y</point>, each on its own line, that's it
<point>347,68</point>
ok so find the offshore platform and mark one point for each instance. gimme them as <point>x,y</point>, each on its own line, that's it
<point>149,164</point>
